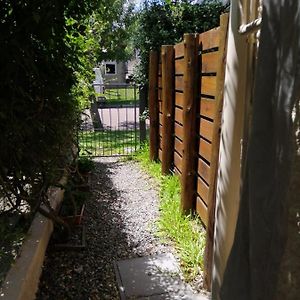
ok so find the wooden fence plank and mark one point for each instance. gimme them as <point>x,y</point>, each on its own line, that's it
<point>209,63</point>
<point>178,146</point>
<point>202,211</point>
<point>178,131</point>
<point>179,50</point>
<point>153,106</point>
<point>179,99</point>
<point>206,129</point>
<point>168,103</point>
<point>208,85</point>
<point>205,149</point>
<point>202,189</point>
<point>179,83</point>
<point>207,107</point>
<point>188,178</point>
<point>160,154</point>
<point>179,66</point>
<point>210,39</point>
<point>178,161</point>
<point>179,115</point>
<point>204,170</point>
<point>187,148</point>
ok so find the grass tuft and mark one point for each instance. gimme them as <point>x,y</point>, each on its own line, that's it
<point>184,231</point>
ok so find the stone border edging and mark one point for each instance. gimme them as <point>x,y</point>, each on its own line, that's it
<point>21,281</point>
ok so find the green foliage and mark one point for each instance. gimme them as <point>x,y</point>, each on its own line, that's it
<point>48,49</point>
<point>102,35</point>
<point>38,115</point>
<point>164,23</point>
<point>153,168</point>
<point>85,165</point>
<point>185,231</point>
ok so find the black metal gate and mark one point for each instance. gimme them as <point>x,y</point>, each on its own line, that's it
<point>111,126</point>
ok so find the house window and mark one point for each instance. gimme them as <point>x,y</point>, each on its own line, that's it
<point>110,68</point>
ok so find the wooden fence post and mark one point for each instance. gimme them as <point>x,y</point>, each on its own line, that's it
<point>168,77</point>
<point>215,150</point>
<point>153,105</point>
<point>190,90</point>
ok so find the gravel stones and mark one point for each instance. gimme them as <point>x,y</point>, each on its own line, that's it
<point>120,223</point>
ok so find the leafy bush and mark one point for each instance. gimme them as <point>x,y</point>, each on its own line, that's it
<point>38,114</point>
<point>85,165</point>
<point>165,22</point>
<point>47,52</point>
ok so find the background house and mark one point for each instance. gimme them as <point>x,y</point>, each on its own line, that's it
<point>113,71</point>
<point>116,72</point>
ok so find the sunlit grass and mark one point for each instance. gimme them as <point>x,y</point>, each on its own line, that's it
<point>184,231</point>
<point>120,95</point>
<point>108,142</point>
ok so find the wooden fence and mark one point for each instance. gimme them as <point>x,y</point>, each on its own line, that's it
<point>185,103</point>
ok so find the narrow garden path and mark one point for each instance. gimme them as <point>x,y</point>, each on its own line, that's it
<point>120,223</point>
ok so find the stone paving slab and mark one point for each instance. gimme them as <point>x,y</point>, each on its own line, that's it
<point>152,278</point>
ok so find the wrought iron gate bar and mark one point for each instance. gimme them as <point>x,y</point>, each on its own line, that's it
<point>110,126</point>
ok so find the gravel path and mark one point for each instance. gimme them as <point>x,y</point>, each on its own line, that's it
<point>119,221</point>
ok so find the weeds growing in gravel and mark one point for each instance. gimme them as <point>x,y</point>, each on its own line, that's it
<point>185,231</point>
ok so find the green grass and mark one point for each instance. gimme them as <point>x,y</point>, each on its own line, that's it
<point>121,95</point>
<point>105,142</point>
<point>184,231</point>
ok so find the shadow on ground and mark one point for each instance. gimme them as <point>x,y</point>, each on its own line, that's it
<point>119,222</point>
<point>89,273</point>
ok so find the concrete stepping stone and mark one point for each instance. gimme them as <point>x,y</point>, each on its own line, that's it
<point>153,278</point>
